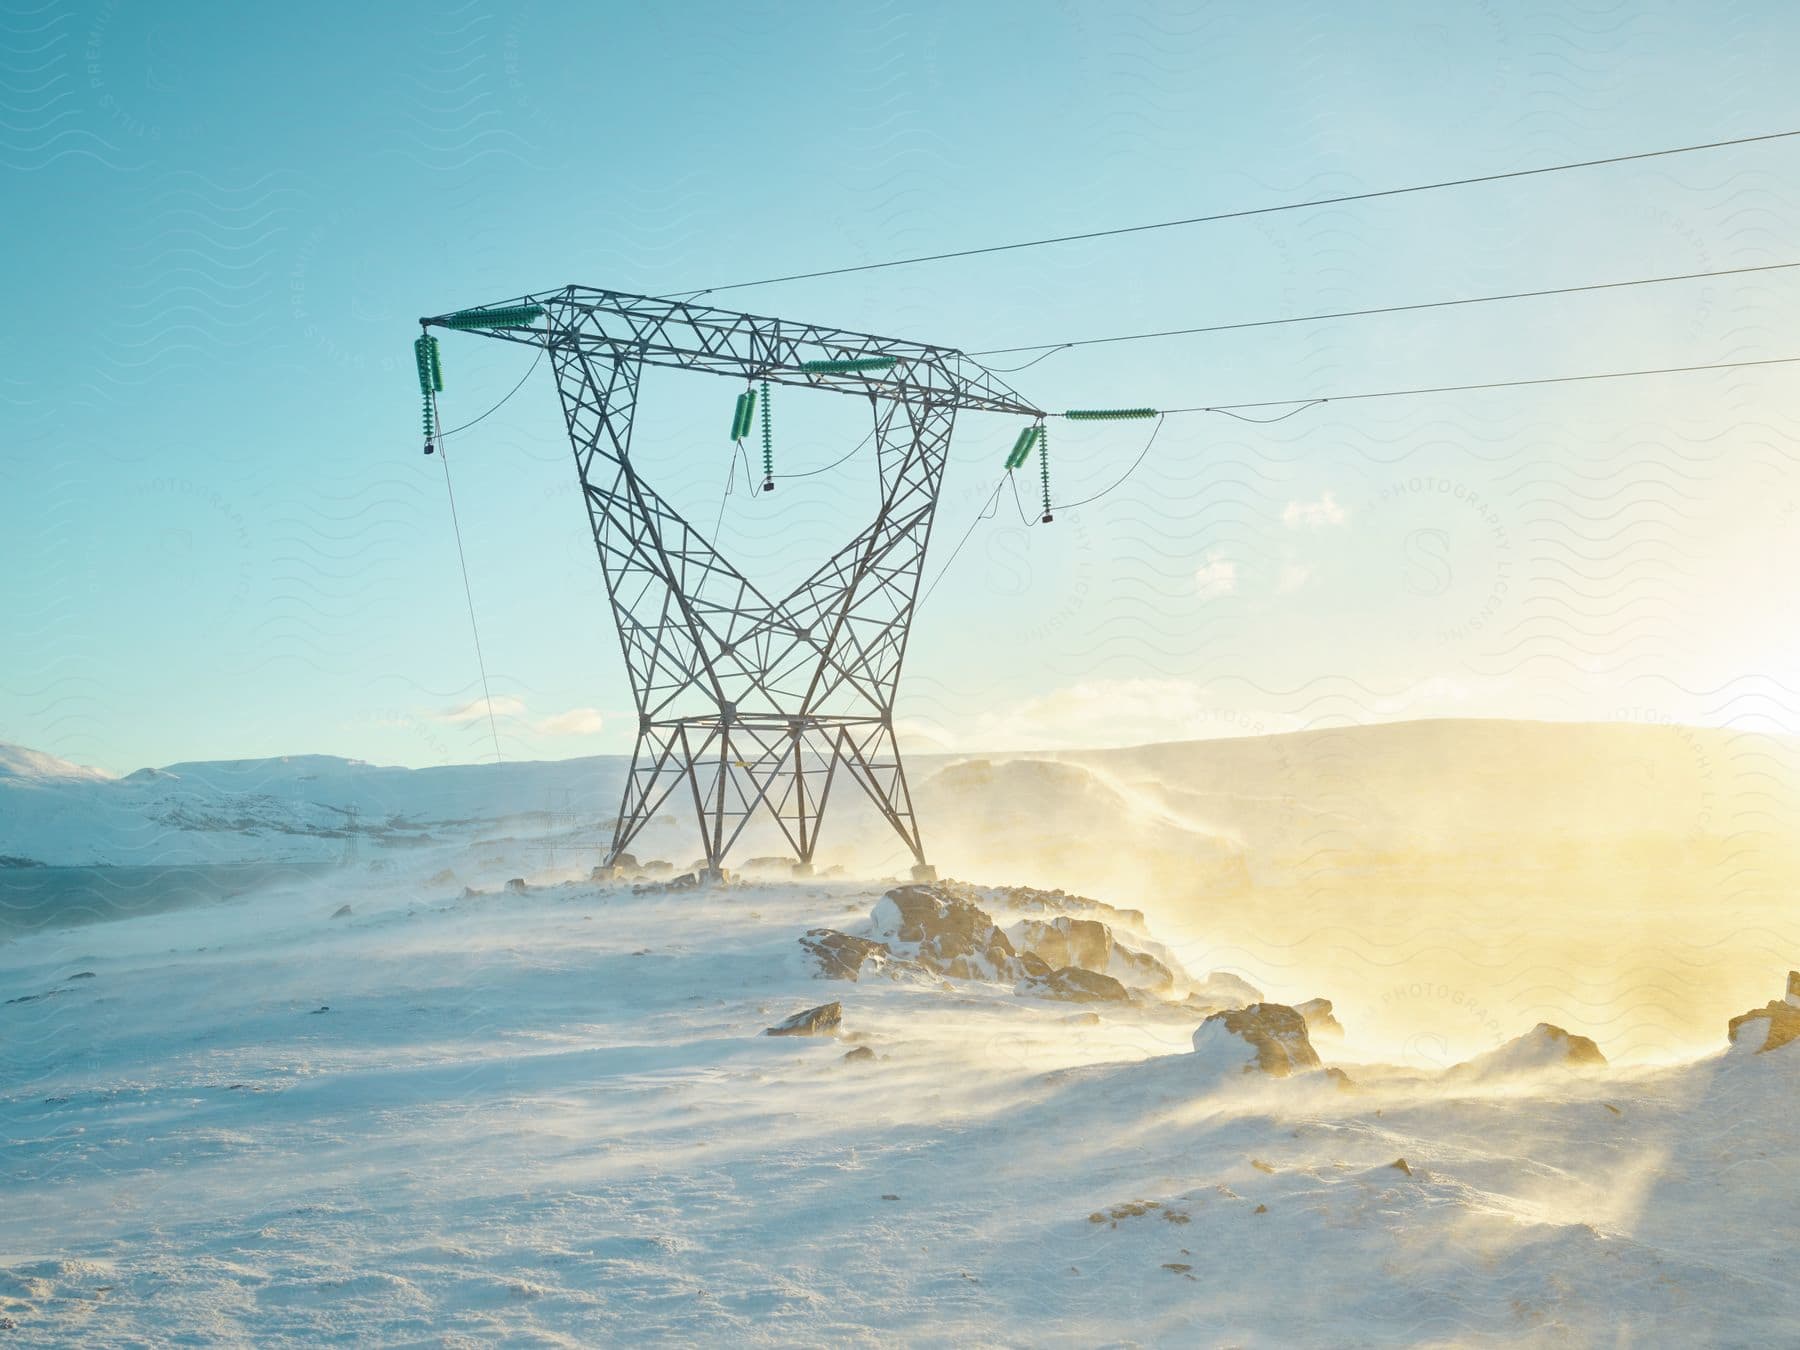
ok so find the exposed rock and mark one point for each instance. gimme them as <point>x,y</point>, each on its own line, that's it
<point>1142,970</point>
<point>626,862</point>
<point>687,881</point>
<point>770,866</point>
<point>657,867</point>
<point>841,956</point>
<point>858,1054</point>
<point>1087,944</point>
<point>1033,964</point>
<point>1274,1031</point>
<point>953,936</point>
<point>82,975</point>
<point>1319,1019</point>
<point>341,912</point>
<point>1222,989</point>
<point>1029,899</point>
<point>516,885</point>
<point>1064,941</point>
<point>1770,1027</point>
<point>1399,1165</point>
<point>1074,985</point>
<point>1545,1046</point>
<point>823,1020</point>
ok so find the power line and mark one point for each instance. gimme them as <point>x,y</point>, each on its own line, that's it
<point>1120,481</point>
<point>1490,384</point>
<point>1051,347</point>
<point>468,594</point>
<point>1249,212</point>
<point>987,510</point>
<point>502,403</point>
<point>1233,409</point>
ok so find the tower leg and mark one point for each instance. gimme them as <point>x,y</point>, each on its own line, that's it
<point>873,759</point>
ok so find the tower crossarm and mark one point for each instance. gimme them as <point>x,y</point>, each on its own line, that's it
<point>687,336</point>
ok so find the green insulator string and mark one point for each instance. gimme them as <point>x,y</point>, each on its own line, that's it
<point>1021,448</point>
<point>431,381</point>
<point>853,365</point>
<point>768,440</point>
<point>1043,448</point>
<point>1109,414</point>
<point>742,415</point>
<point>499,316</point>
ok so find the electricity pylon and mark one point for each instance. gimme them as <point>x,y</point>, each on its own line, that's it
<point>747,703</point>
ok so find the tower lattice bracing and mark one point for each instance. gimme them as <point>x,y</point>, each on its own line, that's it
<point>748,703</point>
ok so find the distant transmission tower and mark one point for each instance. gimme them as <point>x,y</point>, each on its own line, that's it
<point>744,702</point>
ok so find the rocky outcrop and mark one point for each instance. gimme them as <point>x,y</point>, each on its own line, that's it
<point>1031,900</point>
<point>1545,1046</point>
<point>1222,989</point>
<point>947,933</point>
<point>939,929</point>
<point>516,885</point>
<point>1065,941</point>
<point>1074,985</point>
<point>1270,1037</point>
<point>1319,1019</point>
<point>1142,970</point>
<point>823,1020</point>
<point>1772,1026</point>
<point>842,956</point>
<point>1089,944</point>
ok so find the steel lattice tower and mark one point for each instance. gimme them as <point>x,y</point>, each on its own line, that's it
<point>744,702</point>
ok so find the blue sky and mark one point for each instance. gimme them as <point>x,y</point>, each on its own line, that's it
<point>221,539</point>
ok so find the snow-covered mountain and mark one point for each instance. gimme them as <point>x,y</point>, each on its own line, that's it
<point>290,809</point>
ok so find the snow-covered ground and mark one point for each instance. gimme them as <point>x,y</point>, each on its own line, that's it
<point>551,1118</point>
<point>360,1104</point>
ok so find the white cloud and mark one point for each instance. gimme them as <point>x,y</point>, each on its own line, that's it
<point>1312,515</point>
<point>1215,577</point>
<point>477,710</point>
<point>574,722</point>
<point>1292,578</point>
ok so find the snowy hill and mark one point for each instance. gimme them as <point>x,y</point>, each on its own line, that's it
<point>1456,879</point>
